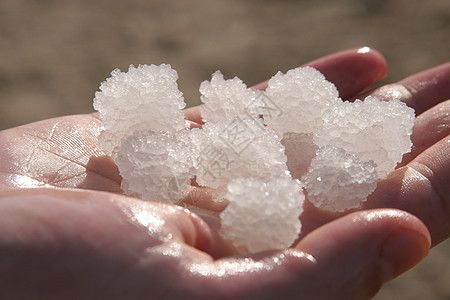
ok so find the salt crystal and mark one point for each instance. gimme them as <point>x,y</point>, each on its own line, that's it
<point>372,129</point>
<point>243,160</point>
<point>300,96</point>
<point>146,97</point>
<point>237,148</point>
<point>227,99</point>
<point>339,181</point>
<point>156,166</point>
<point>262,215</point>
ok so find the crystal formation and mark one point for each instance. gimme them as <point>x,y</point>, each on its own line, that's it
<point>299,99</point>
<point>237,147</point>
<point>251,147</point>
<point>157,166</point>
<point>146,97</point>
<point>262,215</point>
<point>342,177</point>
<point>372,129</point>
<point>227,99</point>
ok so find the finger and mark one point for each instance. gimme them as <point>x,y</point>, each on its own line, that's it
<point>361,251</point>
<point>200,201</point>
<point>108,246</point>
<point>420,91</point>
<point>352,71</point>
<point>429,128</point>
<point>346,259</point>
<point>420,188</point>
<point>65,210</point>
<point>62,244</point>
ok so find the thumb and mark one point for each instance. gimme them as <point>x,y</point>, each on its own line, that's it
<point>356,254</point>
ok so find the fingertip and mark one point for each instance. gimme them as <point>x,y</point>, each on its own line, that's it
<point>376,59</point>
<point>366,55</point>
<point>366,248</point>
<point>403,250</point>
<point>352,70</point>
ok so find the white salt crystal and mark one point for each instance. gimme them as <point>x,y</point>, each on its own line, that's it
<point>300,150</point>
<point>299,98</point>
<point>339,181</point>
<point>372,129</point>
<point>227,99</point>
<point>237,148</point>
<point>262,215</point>
<point>156,166</point>
<point>241,159</point>
<point>146,97</point>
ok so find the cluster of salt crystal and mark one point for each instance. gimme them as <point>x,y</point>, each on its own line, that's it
<point>341,176</point>
<point>301,96</point>
<point>334,146</point>
<point>157,166</point>
<point>143,129</point>
<point>264,202</point>
<point>227,99</point>
<point>146,97</point>
<point>372,129</point>
<point>237,147</point>
<point>262,215</point>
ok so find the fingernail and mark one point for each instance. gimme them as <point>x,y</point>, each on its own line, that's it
<point>401,251</point>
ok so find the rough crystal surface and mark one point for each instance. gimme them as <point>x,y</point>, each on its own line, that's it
<point>372,129</point>
<point>156,166</point>
<point>227,99</point>
<point>299,99</point>
<point>146,97</point>
<point>339,181</point>
<point>335,147</point>
<point>262,215</point>
<point>237,148</point>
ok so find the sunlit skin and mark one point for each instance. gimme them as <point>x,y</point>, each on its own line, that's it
<point>67,232</point>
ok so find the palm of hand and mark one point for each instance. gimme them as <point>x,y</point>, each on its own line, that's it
<point>130,242</point>
<point>61,152</point>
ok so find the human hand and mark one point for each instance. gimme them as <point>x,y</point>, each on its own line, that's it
<point>130,249</point>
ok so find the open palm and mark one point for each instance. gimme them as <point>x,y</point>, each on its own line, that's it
<point>68,240</point>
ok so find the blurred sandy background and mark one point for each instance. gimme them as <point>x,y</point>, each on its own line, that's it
<point>54,54</point>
